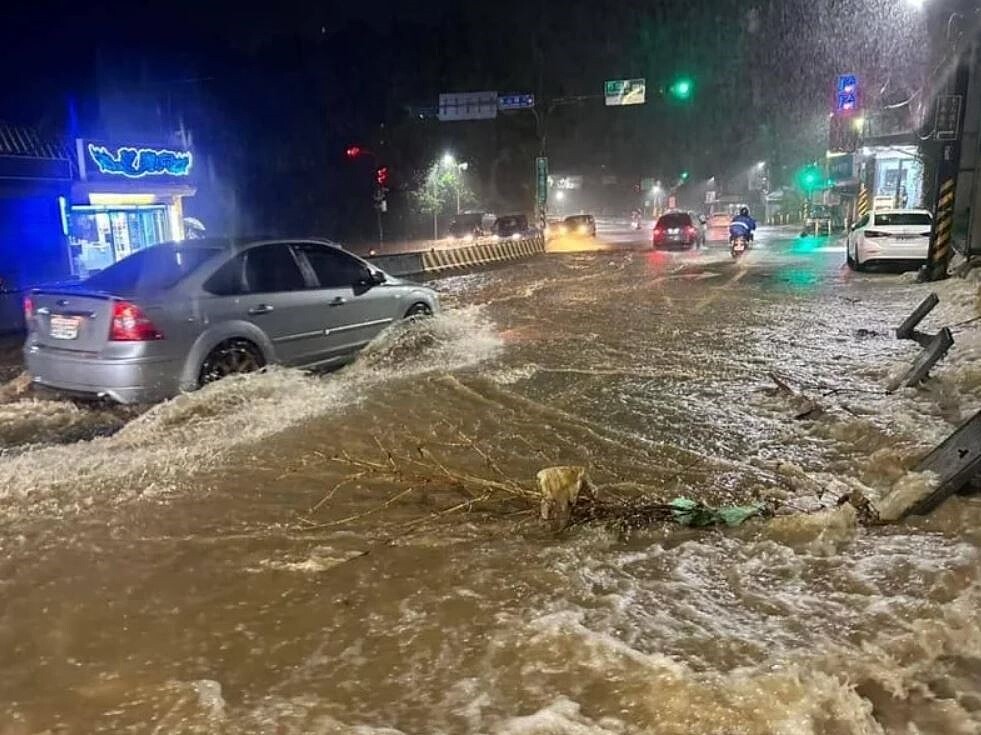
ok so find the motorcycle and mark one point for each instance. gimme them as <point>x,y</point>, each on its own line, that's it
<point>635,222</point>
<point>738,245</point>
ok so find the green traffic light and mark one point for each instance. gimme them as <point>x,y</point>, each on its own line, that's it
<point>681,89</point>
<point>809,178</point>
<point>684,175</point>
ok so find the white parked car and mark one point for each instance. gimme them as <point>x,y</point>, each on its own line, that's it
<point>890,236</point>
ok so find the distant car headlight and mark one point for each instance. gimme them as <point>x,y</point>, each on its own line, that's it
<point>563,229</point>
<point>495,238</point>
<point>583,229</point>
<point>516,236</point>
<point>468,238</point>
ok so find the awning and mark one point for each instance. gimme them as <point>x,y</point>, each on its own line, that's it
<point>161,190</point>
<point>26,155</point>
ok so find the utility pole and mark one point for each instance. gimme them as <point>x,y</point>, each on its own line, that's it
<point>948,132</point>
<point>541,129</point>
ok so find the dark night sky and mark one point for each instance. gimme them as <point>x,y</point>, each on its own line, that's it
<point>300,81</point>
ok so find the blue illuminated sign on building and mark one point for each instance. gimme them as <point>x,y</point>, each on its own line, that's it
<point>846,99</point>
<point>135,163</point>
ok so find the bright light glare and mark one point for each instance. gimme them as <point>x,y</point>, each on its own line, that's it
<point>464,166</point>
<point>917,4</point>
<point>559,196</point>
<point>448,159</point>
<point>859,123</point>
<point>761,164</point>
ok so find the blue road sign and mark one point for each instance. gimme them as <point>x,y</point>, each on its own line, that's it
<point>515,101</point>
<point>846,97</point>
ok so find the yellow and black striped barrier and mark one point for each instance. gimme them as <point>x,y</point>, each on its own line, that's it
<point>438,260</point>
<point>481,253</point>
<point>943,230</point>
<point>864,203</point>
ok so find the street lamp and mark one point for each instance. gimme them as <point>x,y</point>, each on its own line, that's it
<point>450,162</point>
<point>761,165</point>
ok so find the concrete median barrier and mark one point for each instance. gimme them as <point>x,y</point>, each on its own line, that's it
<point>438,260</point>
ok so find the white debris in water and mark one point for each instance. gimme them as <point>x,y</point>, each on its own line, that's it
<point>209,697</point>
<point>907,492</point>
<point>562,717</point>
<point>321,559</point>
<point>512,375</point>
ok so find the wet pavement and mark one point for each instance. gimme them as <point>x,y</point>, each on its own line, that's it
<point>359,552</point>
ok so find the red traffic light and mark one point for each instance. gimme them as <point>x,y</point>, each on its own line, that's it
<point>381,175</point>
<point>353,152</point>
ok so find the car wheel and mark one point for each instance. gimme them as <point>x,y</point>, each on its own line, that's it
<point>418,311</point>
<point>232,357</point>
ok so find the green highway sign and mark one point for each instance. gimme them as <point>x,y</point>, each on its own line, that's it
<point>625,92</point>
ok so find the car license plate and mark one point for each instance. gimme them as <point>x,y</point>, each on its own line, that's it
<point>64,327</point>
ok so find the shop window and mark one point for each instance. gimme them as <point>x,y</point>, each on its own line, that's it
<point>101,236</point>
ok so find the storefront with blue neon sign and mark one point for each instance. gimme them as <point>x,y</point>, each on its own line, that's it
<point>128,196</point>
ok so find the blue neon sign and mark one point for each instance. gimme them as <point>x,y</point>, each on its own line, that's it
<point>135,163</point>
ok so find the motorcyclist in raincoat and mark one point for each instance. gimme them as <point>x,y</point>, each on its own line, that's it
<point>742,225</point>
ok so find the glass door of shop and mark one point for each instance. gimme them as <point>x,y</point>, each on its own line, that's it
<point>100,236</point>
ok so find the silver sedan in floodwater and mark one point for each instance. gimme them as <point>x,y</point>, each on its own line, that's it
<point>178,315</point>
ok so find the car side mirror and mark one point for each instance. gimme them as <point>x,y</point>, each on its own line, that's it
<point>377,278</point>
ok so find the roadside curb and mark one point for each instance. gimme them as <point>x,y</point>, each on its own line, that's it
<point>459,258</point>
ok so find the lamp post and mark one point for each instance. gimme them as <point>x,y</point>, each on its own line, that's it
<point>450,162</point>
<point>461,167</point>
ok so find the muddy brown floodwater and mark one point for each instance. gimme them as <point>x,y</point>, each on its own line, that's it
<point>354,553</point>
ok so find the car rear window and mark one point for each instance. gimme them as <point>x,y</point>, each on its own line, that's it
<point>155,269</point>
<point>674,220</point>
<point>512,222</point>
<point>579,219</point>
<point>902,218</point>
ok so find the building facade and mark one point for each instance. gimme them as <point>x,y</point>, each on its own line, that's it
<point>71,209</point>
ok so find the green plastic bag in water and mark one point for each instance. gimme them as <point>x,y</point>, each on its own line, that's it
<point>688,512</point>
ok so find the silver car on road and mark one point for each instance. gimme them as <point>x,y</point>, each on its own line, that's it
<point>178,315</point>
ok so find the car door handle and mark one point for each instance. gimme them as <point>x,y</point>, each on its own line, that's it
<point>260,309</point>
<point>337,301</point>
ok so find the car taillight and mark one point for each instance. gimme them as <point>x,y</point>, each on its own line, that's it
<point>690,230</point>
<point>130,324</point>
<point>28,308</point>
<point>658,232</point>
<point>874,233</point>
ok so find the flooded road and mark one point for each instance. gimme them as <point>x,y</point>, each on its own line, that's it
<point>360,552</point>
